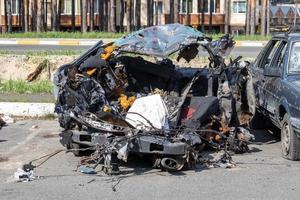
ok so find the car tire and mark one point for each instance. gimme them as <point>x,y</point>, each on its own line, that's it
<point>290,144</point>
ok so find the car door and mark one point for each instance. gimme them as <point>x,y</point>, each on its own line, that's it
<point>273,80</point>
<point>260,63</point>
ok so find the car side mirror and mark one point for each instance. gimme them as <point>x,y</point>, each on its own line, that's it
<point>272,71</point>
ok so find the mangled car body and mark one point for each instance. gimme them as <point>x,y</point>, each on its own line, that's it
<point>128,97</point>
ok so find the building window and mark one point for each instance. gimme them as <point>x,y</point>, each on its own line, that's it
<point>159,10</point>
<point>214,4</point>
<point>67,7</point>
<point>239,7</point>
<point>14,6</point>
<point>184,4</point>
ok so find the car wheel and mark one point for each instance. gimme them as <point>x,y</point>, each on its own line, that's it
<point>290,144</point>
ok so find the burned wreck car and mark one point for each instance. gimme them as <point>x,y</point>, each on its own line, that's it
<point>129,98</point>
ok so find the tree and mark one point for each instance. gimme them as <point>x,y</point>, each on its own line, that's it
<point>149,12</point>
<point>210,15</point>
<point>122,15</point>
<point>26,15</point>
<point>202,15</point>
<point>137,14</point>
<point>252,17</point>
<point>83,16</point>
<point>176,11</point>
<point>113,15</point>
<point>73,14</point>
<point>263,18</point>
<point>100,15</point>
<point>92,11</point>
<point>268,18</point>
<point>227,16</point>
<point>9,16</point>
<point>128,17</point>
<point>39,20</point>
<point>248,10</point>
<point>54,23</point>
<point>59,13</point>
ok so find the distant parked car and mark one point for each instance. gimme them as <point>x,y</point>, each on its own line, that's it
<point>276,81</point>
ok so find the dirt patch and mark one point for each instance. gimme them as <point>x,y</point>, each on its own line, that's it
<point>50,136</point>
<point>25,64</point>
<point>3,158</point>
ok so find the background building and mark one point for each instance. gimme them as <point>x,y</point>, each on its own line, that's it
<point>121,15</point>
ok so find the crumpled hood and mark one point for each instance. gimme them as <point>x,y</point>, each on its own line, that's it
<point>161,40</point>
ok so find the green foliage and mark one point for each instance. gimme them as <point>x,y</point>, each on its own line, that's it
<point>20,86</point>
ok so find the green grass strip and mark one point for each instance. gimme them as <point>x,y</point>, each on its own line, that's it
<point>20,86</point>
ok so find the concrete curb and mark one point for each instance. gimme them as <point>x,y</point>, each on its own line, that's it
<point>90,42</point>
<point>26,109</point>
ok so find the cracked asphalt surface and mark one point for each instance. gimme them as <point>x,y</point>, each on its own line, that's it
<point>260,174</point>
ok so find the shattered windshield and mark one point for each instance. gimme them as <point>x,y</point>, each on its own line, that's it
<point>294,62</point>
<point>160,40</point>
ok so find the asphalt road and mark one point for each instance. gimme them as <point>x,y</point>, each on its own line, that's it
<point>260,174</point>
<point>21,49</point>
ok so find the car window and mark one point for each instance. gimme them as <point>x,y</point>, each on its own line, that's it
<point>267,58</point>
<point>294,61</point>
<point>278,58</point>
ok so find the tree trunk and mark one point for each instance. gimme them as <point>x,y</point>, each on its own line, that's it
<point>171,5</point>
<point>252,17</point>
<point>54,16</point>
<point>202,15</point>
<point>92,16</point>
<point>59,13</point>
<point>113,16</point>
<point>9,16</point>
<point>39,21</point>
<point>176,11</point>
<point>21,15</point>
<point>211,15</point>
<point>149,12</point>
<point>105,15</point>
<point>263,18</point>
<point>100,15</point>
<point>83,16</point>
<point>227,6</point>
<point>4,28</point>
<point>122,16</point>
<point>248,11</point>
<point>26,15</point>
<point>268,18</point>
<point>109,11</point>
<point>73,15</point>
<point>128,17</point>
<point>137,12</point>
<point>156,12</point>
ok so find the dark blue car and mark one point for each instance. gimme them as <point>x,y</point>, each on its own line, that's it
<point>276,81</point>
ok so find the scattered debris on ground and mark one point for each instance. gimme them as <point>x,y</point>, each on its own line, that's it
<point>116,103</point>
<point>5,120</point>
